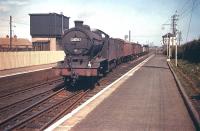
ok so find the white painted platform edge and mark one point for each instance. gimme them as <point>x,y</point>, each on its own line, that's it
<point>13,74</point>
<point>56,124</point>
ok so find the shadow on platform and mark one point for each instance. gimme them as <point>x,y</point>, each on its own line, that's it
<point>156,67</point>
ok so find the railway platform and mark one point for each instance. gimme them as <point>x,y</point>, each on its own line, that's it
<point>23,70</point>
<point>26,76</point>
<point>147,99</point>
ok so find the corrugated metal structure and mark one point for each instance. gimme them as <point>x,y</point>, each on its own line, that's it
<point>47,30</point>
<point>9,60</point>
<point>48,25</point>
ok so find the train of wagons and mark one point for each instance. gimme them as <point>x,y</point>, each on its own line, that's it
<point>93,53</point>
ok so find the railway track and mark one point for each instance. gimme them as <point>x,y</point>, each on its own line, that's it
<point>15,107</point>
<point>12,92</point>
<point>27,113</point>
<point>41,121</point>
<point>44,112</point>
<point>23,94</point>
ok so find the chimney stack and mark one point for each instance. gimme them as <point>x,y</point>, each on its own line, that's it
<point>15,36</point>
<point>78,23</point>
<point>129,36</point>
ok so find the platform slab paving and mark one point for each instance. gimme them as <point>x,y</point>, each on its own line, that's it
<point>148,101</point>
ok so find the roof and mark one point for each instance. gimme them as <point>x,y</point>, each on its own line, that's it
<point>48,14</point>
<point>15,41</point>
<point>168,35</point>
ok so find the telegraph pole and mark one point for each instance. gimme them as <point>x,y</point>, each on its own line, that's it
<point>176,53</point>
<point>174,32</point>
<point>168,46</point>
<point>174,19</point>
<point>179,37</point>
<point>174,23</point>
<point>10,32</point>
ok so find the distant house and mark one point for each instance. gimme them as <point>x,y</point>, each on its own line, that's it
<point>17,44</point>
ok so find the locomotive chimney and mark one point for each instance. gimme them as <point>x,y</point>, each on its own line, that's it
<point>78,23</point>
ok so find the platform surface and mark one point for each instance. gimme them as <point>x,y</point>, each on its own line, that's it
<point>22,70</point>
<point>147,101</point>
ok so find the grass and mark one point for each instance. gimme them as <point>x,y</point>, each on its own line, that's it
<point>192,70</point>
<point>189,74</point>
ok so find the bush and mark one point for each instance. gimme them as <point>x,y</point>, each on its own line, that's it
<point>189,51</point>
<point>179,52</point>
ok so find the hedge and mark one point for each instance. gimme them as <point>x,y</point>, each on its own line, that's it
<point>189,51</point>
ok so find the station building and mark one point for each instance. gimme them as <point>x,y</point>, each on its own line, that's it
<point>169,39</point>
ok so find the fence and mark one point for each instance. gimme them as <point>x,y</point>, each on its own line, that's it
<point>6,48</point>
<point>9,60</point>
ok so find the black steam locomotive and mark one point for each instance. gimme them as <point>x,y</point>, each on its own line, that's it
<point>93,53</point>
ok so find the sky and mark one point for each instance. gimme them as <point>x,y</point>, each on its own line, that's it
<point>145,18</point>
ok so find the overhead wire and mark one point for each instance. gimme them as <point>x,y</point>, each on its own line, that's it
<point>188,10</point>
<point>4,27</point>
<point>1,19</point>
<point>178,10</point>
<point>184,8</point>
<point>190,19</point>
<point>21,23</point>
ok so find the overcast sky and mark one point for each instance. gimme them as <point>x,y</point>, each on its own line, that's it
<point>116,17</point>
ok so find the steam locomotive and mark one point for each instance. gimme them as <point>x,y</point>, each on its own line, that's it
<point>92,53</point>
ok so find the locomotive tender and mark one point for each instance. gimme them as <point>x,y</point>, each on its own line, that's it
<point>92,53</point>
